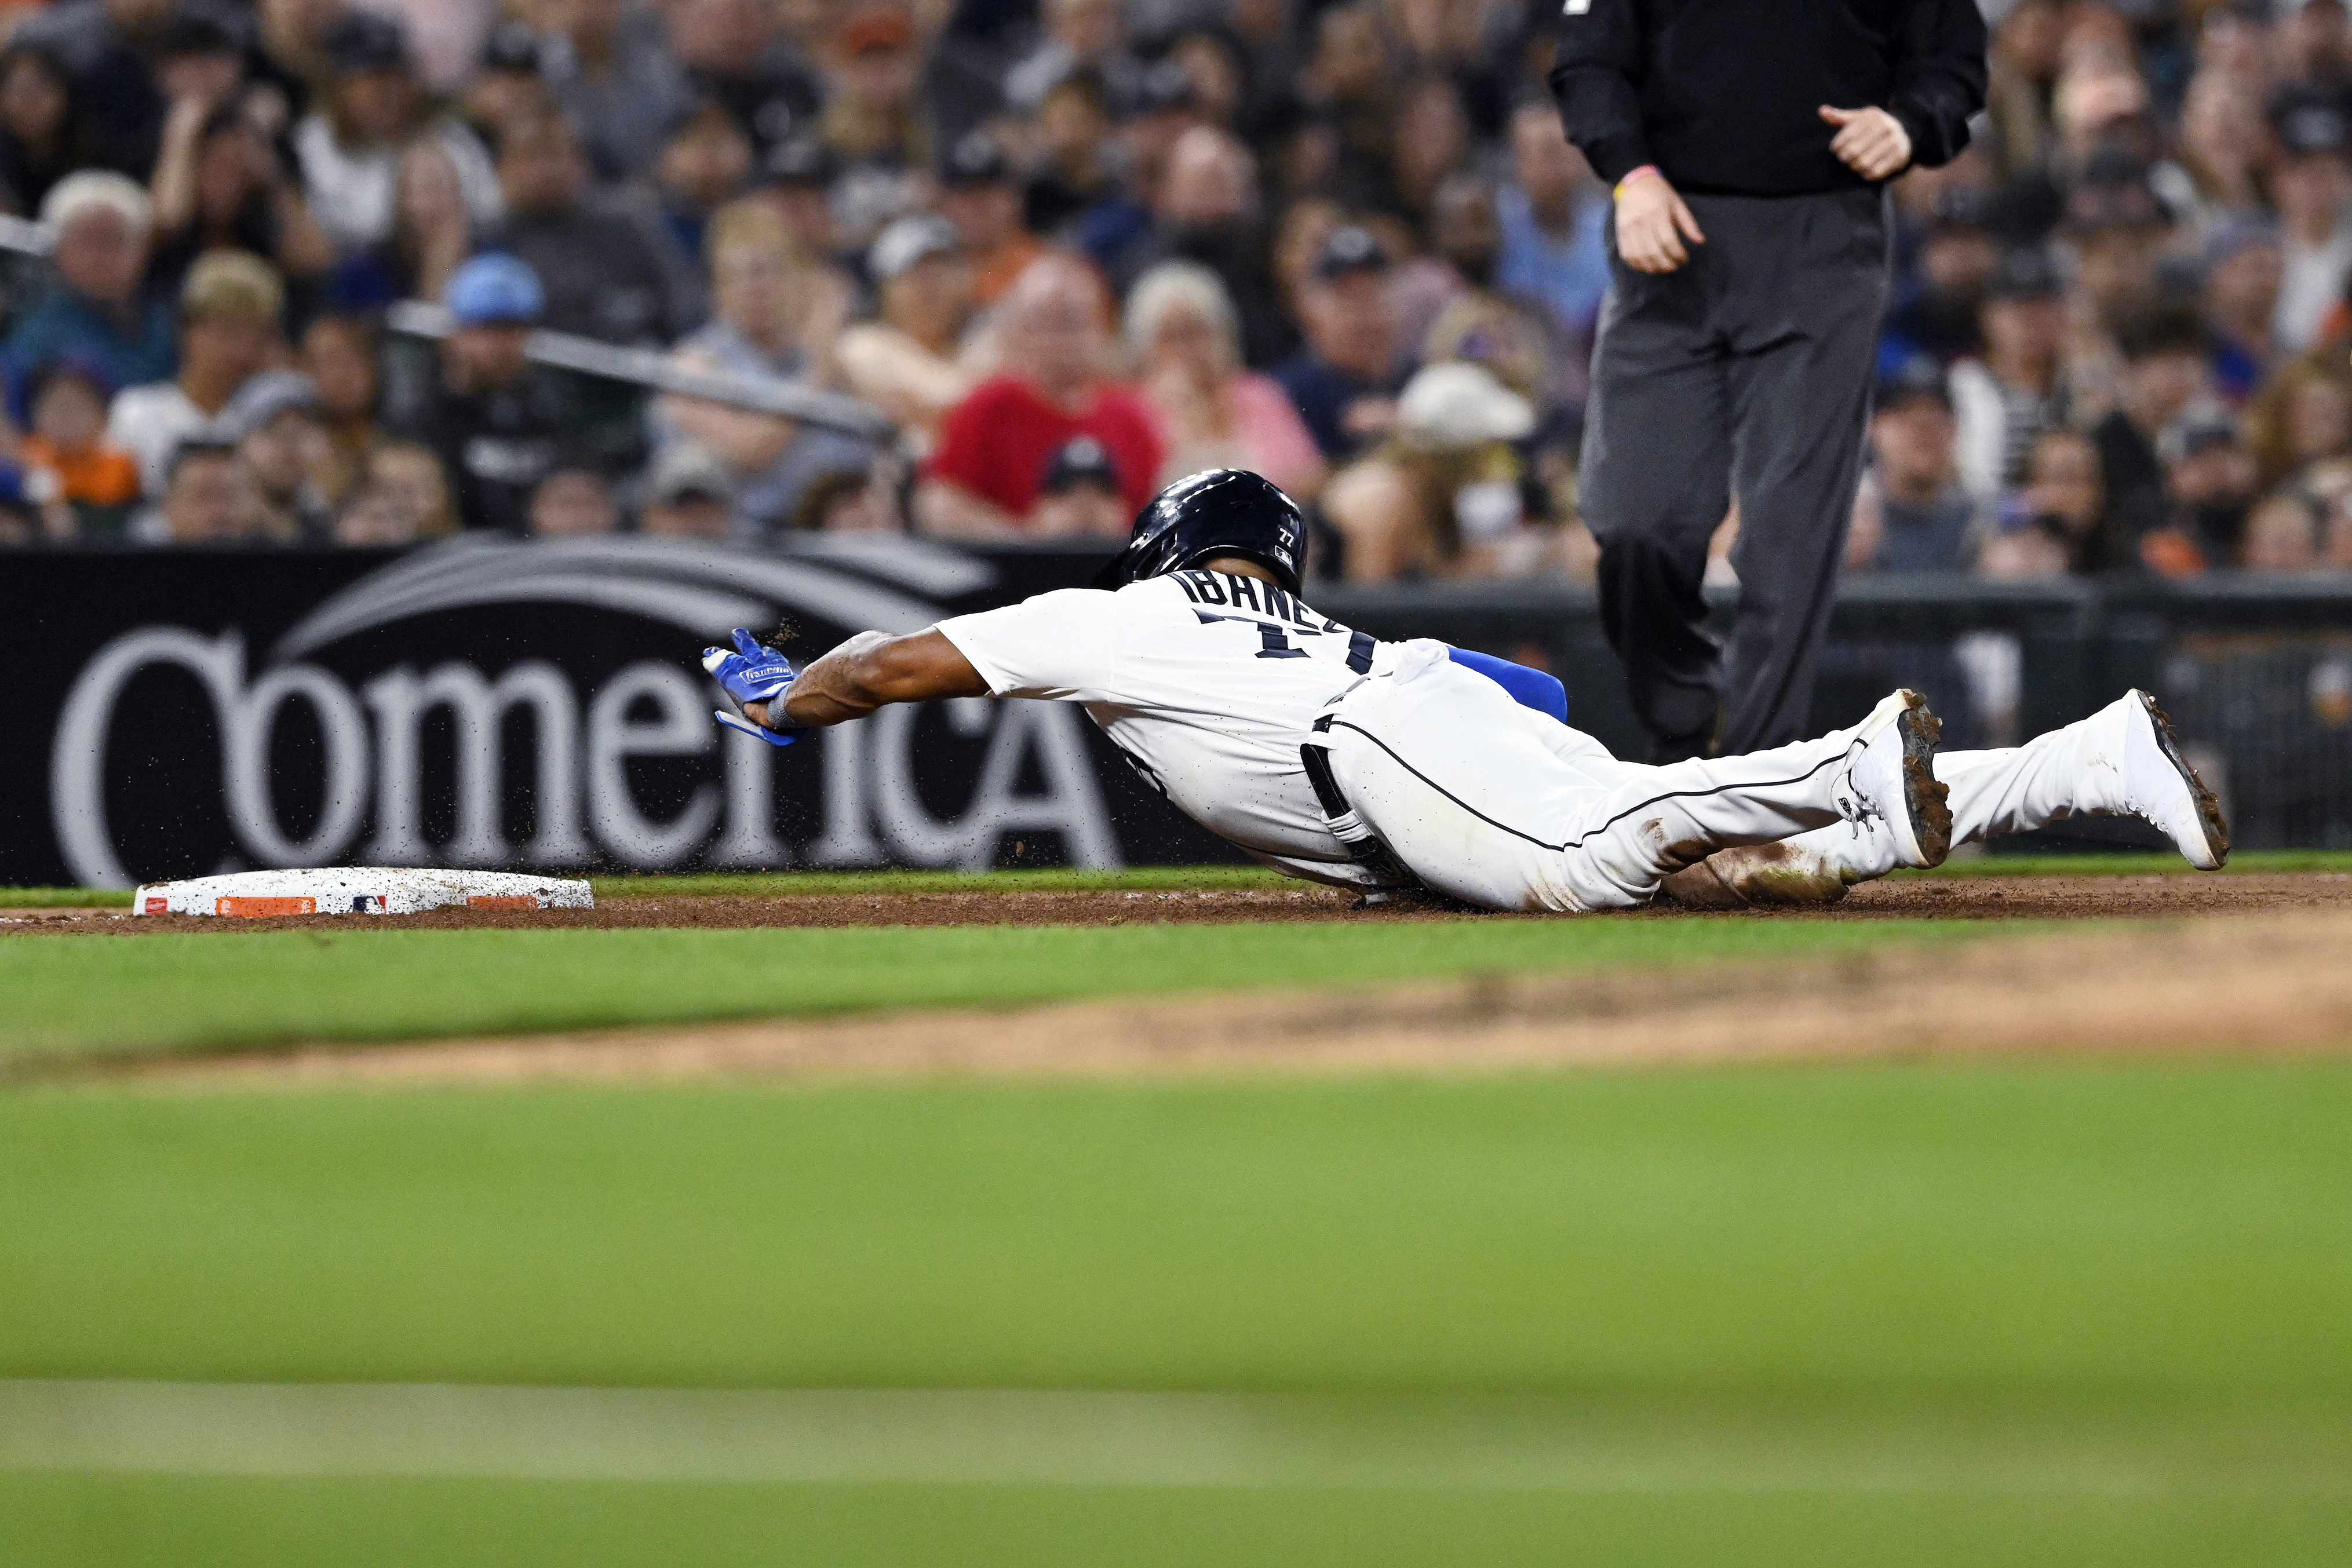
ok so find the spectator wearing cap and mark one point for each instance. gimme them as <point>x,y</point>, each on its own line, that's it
<point>1157,112</point>
<point>105,47</point>
<point>1939,305</point>
<point>912,360</point>
<point>763,294</point>
<point>733,51</point>
<point>1912,514</point>
<point>281,445</point>
<point>1079,497</point>
<point>2310,185</point>
<point>1440,497</point>
<point>505,85</point>
<point>2245,266</point>
<point>978,195</point>
<point>872,68</point>
<point>496,425</point>
<point>690,494</point>
<point>2018,388</point>
<point>230,308</point>
<point>1555,218</point>
<point>1213,411</point>
<point>1749,147</point>
<point>2115,233</point>
<point>98,307</point>
<point>1080,35</point>
<point>1205,211</point>
<point>704,165</point>
<point>2167,376</point>
<point>1073,165</point>
<point>219,184</point>
<point>203,499</point>
<point>608,66</point>
<point>609,270</point>
<point>2210,474</point>
<point>199,61</point>
<point>39,141</point>
<point>983,479</point>
<point>89,484</point>
<point>1342,382</point>
<point>351,148</point>
<point>795,177</point>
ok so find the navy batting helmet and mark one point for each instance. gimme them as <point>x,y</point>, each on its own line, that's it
<point>1218,511</point>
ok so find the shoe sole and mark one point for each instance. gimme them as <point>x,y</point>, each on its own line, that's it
<point>2209,807</point>
<point>1927,800</point>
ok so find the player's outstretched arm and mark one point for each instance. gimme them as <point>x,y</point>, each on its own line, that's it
<point>869,670</point>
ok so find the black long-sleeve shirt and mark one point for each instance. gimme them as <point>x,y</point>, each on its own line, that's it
<point>1725,96</point>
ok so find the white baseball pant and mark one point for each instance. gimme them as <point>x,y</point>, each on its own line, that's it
<point>1500,807</point>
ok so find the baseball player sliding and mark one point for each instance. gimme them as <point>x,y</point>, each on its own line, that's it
<point>1416,767</point>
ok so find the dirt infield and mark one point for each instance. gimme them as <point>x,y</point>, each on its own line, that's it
<point>1973,898</point>
<point>2263,982</point>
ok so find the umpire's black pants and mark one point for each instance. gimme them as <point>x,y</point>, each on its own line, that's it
<point>1745,372</point>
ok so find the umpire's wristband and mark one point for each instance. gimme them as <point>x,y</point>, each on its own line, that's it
<point>1617,192</point>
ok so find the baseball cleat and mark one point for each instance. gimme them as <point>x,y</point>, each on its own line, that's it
<point>2155,783</point>
<point>1890,778</point>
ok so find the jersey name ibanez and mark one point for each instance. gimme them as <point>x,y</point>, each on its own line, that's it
<point>1207,680</point>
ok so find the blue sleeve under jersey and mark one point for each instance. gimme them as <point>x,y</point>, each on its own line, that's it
<point>1529,687</point>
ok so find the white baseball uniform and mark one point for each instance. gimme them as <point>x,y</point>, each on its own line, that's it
<point>1211,684</point>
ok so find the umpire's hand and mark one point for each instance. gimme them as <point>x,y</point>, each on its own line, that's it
<point>1870,142</point>
<point>1652,223</point>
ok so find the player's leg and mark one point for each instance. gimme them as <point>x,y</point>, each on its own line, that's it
<point>1474,796</point>
<point>2122,759</point>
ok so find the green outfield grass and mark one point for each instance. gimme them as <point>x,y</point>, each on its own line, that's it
<point>1892,1313</point>
<point>115,996</point>
<point>1195,877</point>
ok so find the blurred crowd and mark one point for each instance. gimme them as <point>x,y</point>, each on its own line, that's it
<point>1074,248</point>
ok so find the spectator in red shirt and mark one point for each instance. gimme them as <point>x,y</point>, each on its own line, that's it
<point>995,445</point>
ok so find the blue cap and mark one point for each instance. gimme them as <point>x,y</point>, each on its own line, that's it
<point>495,289</point>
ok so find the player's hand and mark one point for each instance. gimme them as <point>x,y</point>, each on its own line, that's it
<point>1870,142</point>
<point>751,674</point>
<point>1653,222</point>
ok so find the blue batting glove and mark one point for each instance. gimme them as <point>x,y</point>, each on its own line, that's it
<point>736,721</point>
<point>751,674</point>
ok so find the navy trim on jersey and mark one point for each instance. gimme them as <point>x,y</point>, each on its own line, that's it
<point>1573,843</point>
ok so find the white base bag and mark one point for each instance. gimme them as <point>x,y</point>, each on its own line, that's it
<point>359,890</point>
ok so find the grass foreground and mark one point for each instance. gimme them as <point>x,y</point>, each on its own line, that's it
<point>1985,1313</point>
<point>118,997</point>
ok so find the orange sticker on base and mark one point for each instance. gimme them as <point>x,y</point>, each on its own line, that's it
<point>262,908</point>
<point>502,901</point>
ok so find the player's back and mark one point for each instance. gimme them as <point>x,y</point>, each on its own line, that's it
<point>1207,680</point>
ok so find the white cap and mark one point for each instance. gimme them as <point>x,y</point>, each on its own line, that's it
<point>1457,405</point>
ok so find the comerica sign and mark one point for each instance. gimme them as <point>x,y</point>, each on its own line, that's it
<point>496,704</point>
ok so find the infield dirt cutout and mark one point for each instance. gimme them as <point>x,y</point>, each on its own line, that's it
<point>2264,964</point>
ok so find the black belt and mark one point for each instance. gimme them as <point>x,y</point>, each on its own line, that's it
<point>1354,835</point>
